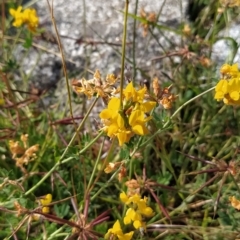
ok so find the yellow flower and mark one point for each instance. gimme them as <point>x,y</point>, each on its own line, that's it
<point>230,70</point>
<point>131,94</point>
<point>147,106</point>
<point>127,200</point>
<point>234,89</point>
<point>17,14</point>
<point>125,123</point>
<point>112,111</point>
<point>117,231</point>
<point>133,216</point>
<point>45,201</point>
<point>124,198</point>
<point>228,91</point>
<point>28,17</point>
<point>114,123</point>
<point>139,208</point>
<point>143,208</point>
<point>31,19</point>
<point>137,122</point>
<point>221,89</point>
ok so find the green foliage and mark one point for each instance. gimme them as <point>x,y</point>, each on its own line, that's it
<point>187,166</point>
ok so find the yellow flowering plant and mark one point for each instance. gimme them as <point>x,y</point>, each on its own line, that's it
<point>228,88</point>
<point>116,231</point>
<point>118,151</point>
<point>136,213</point>
<point>27,17</point>
<point>130,121</point>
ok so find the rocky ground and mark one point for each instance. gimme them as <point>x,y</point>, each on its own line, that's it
<point>84,27</point>
<point>91,33</point>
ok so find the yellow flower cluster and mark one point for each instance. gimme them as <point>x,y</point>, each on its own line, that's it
<point>228,88</point>
<point>135,214</point>
<point>131,120</point>
<point>116,230</point>
<point>45,201</point>
<point>27,16</point>
<point>137,211</point>
<point>45,208</point>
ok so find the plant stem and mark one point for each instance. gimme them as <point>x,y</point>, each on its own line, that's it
<point>94,169</point>
<point>65,151</point>
<point>123,52</point>
<point>64,69</point>
<point>174,114</point>
<point>134,42</point>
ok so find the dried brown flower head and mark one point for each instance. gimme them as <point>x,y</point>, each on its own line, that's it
<point>163,96</point>
<point>96,86</point>
<point>186,30</point>
<point>230,3</point>
<point>23,154</point>
<point>205,61</point>
<point>149,18</point>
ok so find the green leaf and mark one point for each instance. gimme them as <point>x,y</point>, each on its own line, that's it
<point>28,41</point>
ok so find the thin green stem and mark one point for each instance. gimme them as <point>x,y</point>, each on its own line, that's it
<point>95,167</point>
<point>134,41</point>
<point>62,162</point>
<point>106,184</point>
<point>174,114</point>
<point>80,126</point>
<point>187,102</point>
<point>123,52</point>
<point>65,151</point>
<point>64,68</point>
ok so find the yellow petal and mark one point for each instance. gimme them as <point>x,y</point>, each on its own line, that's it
<point>234,95</point>
<point>139,129</point>
<point>135,198</point>
<point>137,224</point>
<point>14,12</point>
<point>148,106</point>
<point>130,92</point>
<point>123,197</point>
<point>112,130</point>
<point>222,86</point>
<point>114,104</point>
<point>105,114</point>
<point>130,215</point>
<point>120,121</point>
<point>46,199</point>
<point>136,117</point>
<point>148,212</point>
<point>117,228</point>
<point>46,209</point>
<point>122,137</point>
<point>126,236</point>
<point>219,95</point>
